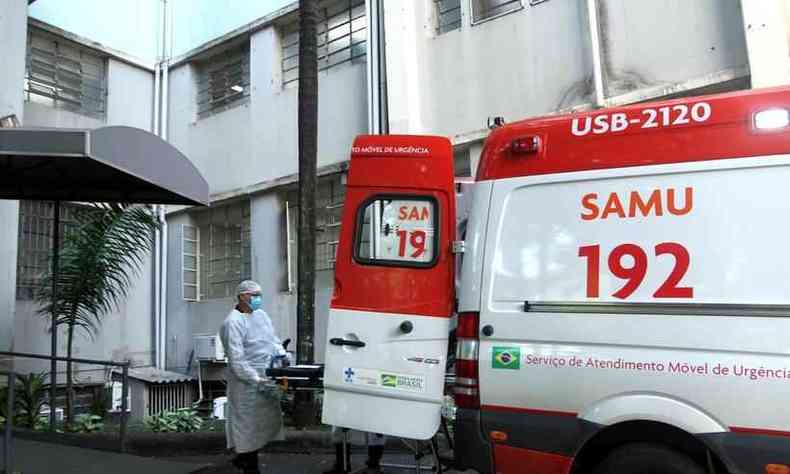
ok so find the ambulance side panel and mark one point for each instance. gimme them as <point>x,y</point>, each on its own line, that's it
<point>658,293</point>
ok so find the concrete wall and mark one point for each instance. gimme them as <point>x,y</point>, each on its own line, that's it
<point>130,96</point>
<point>127,333</point>
<point>186,319</point>
<point>257,141</point>
<point>538,60</point>
<point>13,41</point>
<point>246,145</point>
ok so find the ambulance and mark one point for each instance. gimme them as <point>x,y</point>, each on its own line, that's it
<point>623,303</point>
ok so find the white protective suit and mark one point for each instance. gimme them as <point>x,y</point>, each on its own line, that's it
<point>253,418</point>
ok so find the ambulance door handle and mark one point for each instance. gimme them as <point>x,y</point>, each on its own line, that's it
<point>488,330</point>
<point>345,342</point>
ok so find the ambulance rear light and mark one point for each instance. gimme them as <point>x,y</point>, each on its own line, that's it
<point>467,374</point>
<point>466,349</point>
<point>468,325</point>
<point>772,119</point>
<point>525,145</point>
<point>466,390</point>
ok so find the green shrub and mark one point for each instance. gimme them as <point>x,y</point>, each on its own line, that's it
<point>86,424</point>
<point>184,420</point>
<point>30,393</point>
<point>28,400</point>
<point>100,405</point>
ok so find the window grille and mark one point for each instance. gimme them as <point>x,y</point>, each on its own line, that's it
<point>190,262</point>
<point>35,241</point>
<point>63,74</point>
<point>448,13</point>
<point>224,81</point>
<point>330,197</point>
<point>342,38</point>
<point>222,238</point>
<point>487,9</point>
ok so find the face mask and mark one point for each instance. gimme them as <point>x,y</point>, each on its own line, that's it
<point>256,302</point>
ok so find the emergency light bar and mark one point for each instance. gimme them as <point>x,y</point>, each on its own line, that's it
<point>525,145</point>
<point>771,119</point>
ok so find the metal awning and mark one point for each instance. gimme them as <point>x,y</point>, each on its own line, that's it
<point>110,164</point>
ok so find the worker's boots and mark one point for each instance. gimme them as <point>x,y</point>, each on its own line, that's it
<point>339,455</point>
<point>247,463</point>
<point>374,459</point>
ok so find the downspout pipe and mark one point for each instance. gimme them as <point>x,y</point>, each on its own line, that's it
<point>167,31</point>
<point>372,66</point>
<point>384,121</point>
<point>378,122</point>
<point>163,288</point>
<point>595,41</point>
<point>157,238</point>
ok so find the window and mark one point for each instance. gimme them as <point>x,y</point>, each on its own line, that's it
<point>397,231</point>
<point>223,81</point>
<point>224,258</point>
<point>64,74</point>
<point>448,13</point>
<point>190,262</point>
<point>35,241</point>
<point>487,9</point>
<point>330,196</point>
<point>342,38</point>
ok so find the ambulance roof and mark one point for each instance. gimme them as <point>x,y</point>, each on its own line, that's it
<point>683,130</point>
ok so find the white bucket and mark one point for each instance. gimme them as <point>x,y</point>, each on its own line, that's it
<point>219,407</point>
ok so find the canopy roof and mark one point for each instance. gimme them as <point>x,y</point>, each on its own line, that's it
<point>109,164</point>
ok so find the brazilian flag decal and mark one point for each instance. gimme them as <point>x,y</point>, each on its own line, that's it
<point>506,358</point>
<point>389,380</point>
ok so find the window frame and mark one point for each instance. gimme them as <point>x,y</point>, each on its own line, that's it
<point>360,221</point>
<point>204,221</point>
<point>291,27</point>
<point>39,61</point>
<point>222,64</point>
<point>184,268</point>
<point>474,22</point>
<point>438,9</point>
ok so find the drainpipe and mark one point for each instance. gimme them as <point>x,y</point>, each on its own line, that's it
<point>163,289</point>
<point>156,274</point>
<point>595,40</point>
<point>372,66</point>
<point>168,19</point>
<point>162,280</point>
<point>378,121</point>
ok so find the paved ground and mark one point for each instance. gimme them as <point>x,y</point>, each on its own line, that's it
<point>288,463</point>
<point>33,457</point>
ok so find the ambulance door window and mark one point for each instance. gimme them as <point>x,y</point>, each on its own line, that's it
<point>397,231</point>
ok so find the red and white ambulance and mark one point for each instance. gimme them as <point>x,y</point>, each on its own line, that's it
<point>624,298</point>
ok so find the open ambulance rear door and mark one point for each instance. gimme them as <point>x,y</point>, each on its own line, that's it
<point>394,288</point>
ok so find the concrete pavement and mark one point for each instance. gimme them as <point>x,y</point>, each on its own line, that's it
<point>33,457</point>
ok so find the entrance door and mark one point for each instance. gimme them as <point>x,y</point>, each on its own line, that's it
<point>394,288</point>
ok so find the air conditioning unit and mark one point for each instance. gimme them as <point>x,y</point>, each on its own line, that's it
<point>209,347</point>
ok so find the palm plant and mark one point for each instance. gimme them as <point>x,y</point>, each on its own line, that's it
<point>28,400</point>
<point>98,261</point>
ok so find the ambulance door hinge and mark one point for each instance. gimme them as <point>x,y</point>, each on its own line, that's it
<point>459,246</point>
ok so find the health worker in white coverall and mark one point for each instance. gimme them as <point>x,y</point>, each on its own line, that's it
<point>254,417</point>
